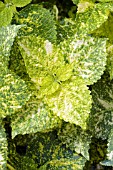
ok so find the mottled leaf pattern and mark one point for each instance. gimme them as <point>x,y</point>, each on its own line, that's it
<point>39,22</point>
<point>110,146</point>
<point>7,36</point>
<point>101,116</point>
<point>13,93</point>
<point>106,29</point>
<point>72,102</point>
<point>34,117</point>
<point>93,18</point>
<point>51,150</point>
<point>109,161</point>
<point>75,138</point>
<point>3,147</point>
<point>88,55</point>
<point>45,65</point>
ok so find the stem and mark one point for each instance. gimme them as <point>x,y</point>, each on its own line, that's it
<point>10,167</point>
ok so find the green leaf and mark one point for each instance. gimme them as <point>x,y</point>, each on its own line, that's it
<point>6,16</point>
<point>93,18</point>
<point>45,66</point>
<point>75,138</point>
<point>110,146</point>
<point>75,1</point>
<point>2,6</point>
<point>21,3</point>
<point>64,72</point>
<point>46,84</point>
<point>84,6</point>
<point>3,147</point>
<point>109,65</point>
<point>109,161</point>
<point>39,22</point>
<point>101,116</point>
<point>106,29</point>
<point>13,93</point>
<point>7,36</point>
<point>64,164</point>
<point>45,148</point>
<point>72,102</point>
<point>88,56</point>
<point>34,117</point>
<point>104,1</point>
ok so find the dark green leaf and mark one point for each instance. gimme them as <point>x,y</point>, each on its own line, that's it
<point>7,36</point>
<point>39,21</point>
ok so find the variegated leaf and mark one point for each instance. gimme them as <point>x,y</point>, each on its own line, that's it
<point>101,116</point>
<point>75,138</point>
<point>3,147</point>
<point>88,56</point>
<point>72,102</point>
<point>34,117</point>
<point>13,93</point>
<point>38,20</point>
<point>7,36</point>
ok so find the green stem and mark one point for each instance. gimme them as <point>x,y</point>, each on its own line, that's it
<point>10,167</point>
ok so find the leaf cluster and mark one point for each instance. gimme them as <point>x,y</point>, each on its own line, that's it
<point>55,83</point>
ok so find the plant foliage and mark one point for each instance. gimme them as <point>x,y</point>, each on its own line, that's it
<point>56,84</point>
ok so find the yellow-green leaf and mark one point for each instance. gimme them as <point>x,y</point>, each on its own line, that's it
<point>21,3</point>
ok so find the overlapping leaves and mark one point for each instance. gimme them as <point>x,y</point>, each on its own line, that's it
<point>53,154</point>
<point>34,117</point>
<point>75,138</point>
<point>45,64</point>
<point>91,19</point>
<point>109,161</point>
<point>101,116</point>
<point>7,36</point>
<point>38,20</point>
<point>88,55</point>
<point>72,102</point>
<point>51,75</point>
<point>8,9</point>
<point>13,93</point>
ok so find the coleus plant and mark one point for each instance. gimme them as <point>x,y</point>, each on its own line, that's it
<point>56,84</point>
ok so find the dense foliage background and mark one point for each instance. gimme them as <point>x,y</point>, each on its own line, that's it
<point>56,85</point>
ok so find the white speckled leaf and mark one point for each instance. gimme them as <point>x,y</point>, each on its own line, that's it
<point>75,138</point>
<point>101,116</point>
<point>34,117</point>
<point>92,18</point>
<point>72,102</point>
<point>45,64</point>
<point>110,146</point>
<point>39,22</point>
<point>88,55</point>
<point>46,149</point>
<point>109,161</point>
<point>13,93</point>
<point>3,148</point>
<point>7,36</point>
